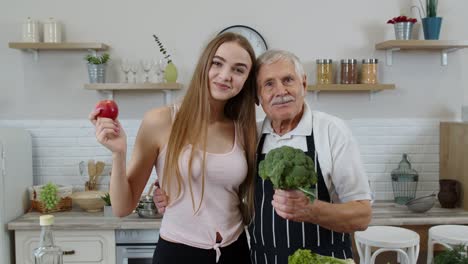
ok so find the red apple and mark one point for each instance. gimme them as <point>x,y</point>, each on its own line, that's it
<point>107,108</point>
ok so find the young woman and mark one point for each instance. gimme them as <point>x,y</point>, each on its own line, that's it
<point>204,154</point>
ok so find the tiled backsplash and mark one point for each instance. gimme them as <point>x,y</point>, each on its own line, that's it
<point>59,146</point>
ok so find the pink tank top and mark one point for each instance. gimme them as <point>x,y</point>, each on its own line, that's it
<point>219,211</point>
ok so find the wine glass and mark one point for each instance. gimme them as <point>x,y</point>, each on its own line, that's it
<point>147,65</point>
<point>125,66</point>
<point>160,65</point>
<point>134,69</point>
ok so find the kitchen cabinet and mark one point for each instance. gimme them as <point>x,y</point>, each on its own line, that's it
<point>454,155</point>
<point>442,46</point>
<point>79,246</point>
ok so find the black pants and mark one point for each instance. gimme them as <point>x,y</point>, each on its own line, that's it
<point>174,253</point>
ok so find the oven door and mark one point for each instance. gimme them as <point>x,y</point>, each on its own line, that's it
<point>135,254</point>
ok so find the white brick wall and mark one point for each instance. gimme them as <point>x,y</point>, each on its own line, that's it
<point>59,146</point>
<point>382,142</point>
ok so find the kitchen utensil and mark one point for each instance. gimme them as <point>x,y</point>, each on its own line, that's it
<point>449,193</point>
<point>147,209</point>
<point>150,190</point>
<point>82,167</point>
<point>91,169</point>
<point>148,213</point>
<point>99,169</point>
<point>89,201</point>
<point>421,204</point>
<point>91,174</point>
<point>82,171</point>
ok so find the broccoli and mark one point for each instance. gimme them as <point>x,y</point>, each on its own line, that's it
<point>289,168</point>
<point>301,256</point>
<point>305,256</point>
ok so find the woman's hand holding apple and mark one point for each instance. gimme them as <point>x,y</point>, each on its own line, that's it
<point>109,131</point>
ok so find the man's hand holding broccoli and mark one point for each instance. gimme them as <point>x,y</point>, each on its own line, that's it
<point>289,169</point>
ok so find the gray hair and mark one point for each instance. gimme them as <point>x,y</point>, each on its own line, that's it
<point>272,56</point>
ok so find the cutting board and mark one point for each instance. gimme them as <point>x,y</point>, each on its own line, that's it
<point>454,155</point>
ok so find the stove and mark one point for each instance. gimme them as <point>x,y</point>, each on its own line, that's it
<point>135,246</point>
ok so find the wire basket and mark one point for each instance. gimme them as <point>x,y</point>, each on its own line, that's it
<point>404,182</point>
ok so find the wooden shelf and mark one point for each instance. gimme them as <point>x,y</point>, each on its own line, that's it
<point>58,46</point>
<point>350,87</point>
<point>422,44</point>
<point>370,88</point>
<point>107,89</point>
<point>133,86</point>
<point>443,46</point>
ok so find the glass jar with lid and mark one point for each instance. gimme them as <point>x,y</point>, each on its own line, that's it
<point>324,71</point>
<point>349,72</point>
<point>369,71</point>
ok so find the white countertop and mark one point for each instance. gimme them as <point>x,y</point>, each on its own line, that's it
<point>388,213</point>
<point>84,220</point>
<point>383,213</point>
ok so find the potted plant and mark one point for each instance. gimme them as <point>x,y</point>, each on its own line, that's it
<point>170,72</point>
<point>431,22</point>
<point>403,26</point>
<point>48,196</point>
<point>107,206</point>
<point>97,67</point>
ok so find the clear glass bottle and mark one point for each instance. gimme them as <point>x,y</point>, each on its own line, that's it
<point>47,252</point>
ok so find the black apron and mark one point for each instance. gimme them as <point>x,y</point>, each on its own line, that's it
<point>273,239</point>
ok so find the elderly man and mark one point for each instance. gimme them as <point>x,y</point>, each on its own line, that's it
<point>284,220</point>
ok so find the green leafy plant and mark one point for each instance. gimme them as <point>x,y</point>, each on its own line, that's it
<point>305,256</point>
<point>430,9</point>
<point>97,59</point>
<point>457,255</point>
<point>106,199</point>
<point>289,168</point>
<point>167,56</point>
<point>48,195</point>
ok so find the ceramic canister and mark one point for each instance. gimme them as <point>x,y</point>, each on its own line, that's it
<point>30,31</point>
<point>52,31</point>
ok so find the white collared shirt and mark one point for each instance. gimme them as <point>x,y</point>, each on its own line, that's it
<point>337,152</point>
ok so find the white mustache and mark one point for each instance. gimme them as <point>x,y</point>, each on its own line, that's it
<point>282,100</point>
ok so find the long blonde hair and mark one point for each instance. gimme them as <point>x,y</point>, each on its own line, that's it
<point>191,125</point>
